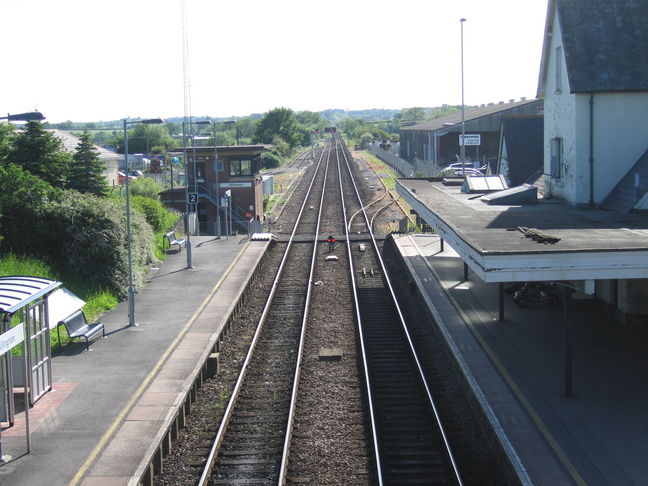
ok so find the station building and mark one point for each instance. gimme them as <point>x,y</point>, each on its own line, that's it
<point>436,142</point>
<point>219,177</point>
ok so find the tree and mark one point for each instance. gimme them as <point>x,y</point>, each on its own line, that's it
<point>246,128</point>
<point>6,134</point>
<point>87,170</point>
<point>41,153</point>
<point>144,139</point>
<point>414,115</point>
<point>24,199</point>
<point>282,122</point>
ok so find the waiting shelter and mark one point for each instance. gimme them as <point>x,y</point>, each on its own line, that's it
<point>24,322</point>
<point>24,314</point>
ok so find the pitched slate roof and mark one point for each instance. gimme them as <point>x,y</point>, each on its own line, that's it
<point>70,143</point>
<point>605,44</point>
<point>524,147</point>
<point>469,114</point>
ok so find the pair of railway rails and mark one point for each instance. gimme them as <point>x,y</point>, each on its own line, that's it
<point>282,423</point>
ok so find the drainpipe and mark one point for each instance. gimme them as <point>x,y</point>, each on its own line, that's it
<point>591,150</point>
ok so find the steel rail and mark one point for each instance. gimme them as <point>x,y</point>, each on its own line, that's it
<point>213,453</point>
<point>409,340</point>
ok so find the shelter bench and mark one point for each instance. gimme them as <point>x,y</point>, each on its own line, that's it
<point>77,327</point>
<point>171,239</point>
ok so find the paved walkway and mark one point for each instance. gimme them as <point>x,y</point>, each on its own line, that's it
<point>124,386</point>
<point>597,436</point>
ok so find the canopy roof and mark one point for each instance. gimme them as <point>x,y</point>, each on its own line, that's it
<point>18,291</point>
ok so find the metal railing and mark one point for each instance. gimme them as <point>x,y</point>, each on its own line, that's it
<point>404,168</point>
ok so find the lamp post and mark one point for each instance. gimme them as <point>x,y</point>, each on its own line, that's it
<point>29,116</point>
<point>463,108</point>
<point>131,291</point>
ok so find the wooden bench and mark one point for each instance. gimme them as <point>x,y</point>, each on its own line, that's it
<point>77,327</point>
<point>171,239</point>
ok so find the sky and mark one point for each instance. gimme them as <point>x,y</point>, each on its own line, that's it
<point>85,60</point>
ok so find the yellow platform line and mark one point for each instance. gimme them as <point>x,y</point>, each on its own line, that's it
<point>544,430</point>
<point>145,383</point>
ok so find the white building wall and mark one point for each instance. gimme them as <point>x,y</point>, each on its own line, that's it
<point>559,122</point>
<point>620,137</point>
<point>619,134</point>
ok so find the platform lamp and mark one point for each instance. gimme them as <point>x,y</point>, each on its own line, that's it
<point>29,116</point>
<point>131,291</point>
<point>462,148</point>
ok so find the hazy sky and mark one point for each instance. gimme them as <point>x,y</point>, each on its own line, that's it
<point>86,60</point>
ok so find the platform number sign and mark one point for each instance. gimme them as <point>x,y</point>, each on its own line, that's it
<point>193,197</point>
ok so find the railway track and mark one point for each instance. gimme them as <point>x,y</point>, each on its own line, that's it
<point>362,416</point>
<point>249,445</point>
<point>409,440</point>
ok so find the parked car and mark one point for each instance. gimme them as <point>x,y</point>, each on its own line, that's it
<point>121,177</point>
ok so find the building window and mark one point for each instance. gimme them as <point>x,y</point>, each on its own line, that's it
<point>558,69</point>
<point>240,167</point>
<point>556,158</point>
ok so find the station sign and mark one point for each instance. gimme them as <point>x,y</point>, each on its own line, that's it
<point>472,139</point>
<point>11,338</point>
<point>236,184</point>
<point>192,197</point>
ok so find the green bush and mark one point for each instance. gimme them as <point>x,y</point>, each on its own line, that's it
<point>145,186</point>
<point>83,237</point>
<point>89,236</point>
<point>153,210</point>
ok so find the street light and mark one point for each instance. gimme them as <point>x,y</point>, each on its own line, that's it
<point>131,291</point>
<point>462,148</point>
<point>29,116</point>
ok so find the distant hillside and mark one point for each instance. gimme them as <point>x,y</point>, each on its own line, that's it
<point>334,116</point>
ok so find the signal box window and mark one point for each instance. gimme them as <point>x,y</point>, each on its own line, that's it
<point>240,168</point>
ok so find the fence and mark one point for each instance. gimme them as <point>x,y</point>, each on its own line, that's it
<point>399,165</point>
<point>403,167</point>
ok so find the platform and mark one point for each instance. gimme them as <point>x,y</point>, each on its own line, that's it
<point>111,406</point>
<point>595,437</point>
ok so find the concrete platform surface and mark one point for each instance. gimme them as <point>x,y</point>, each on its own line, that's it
<point>107,404</point>
<point>597,436</point>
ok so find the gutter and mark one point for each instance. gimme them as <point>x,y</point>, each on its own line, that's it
<point>591,150</point>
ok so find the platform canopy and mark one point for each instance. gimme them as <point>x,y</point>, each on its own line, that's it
<point>547,241</point>
<point>18,291</point>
